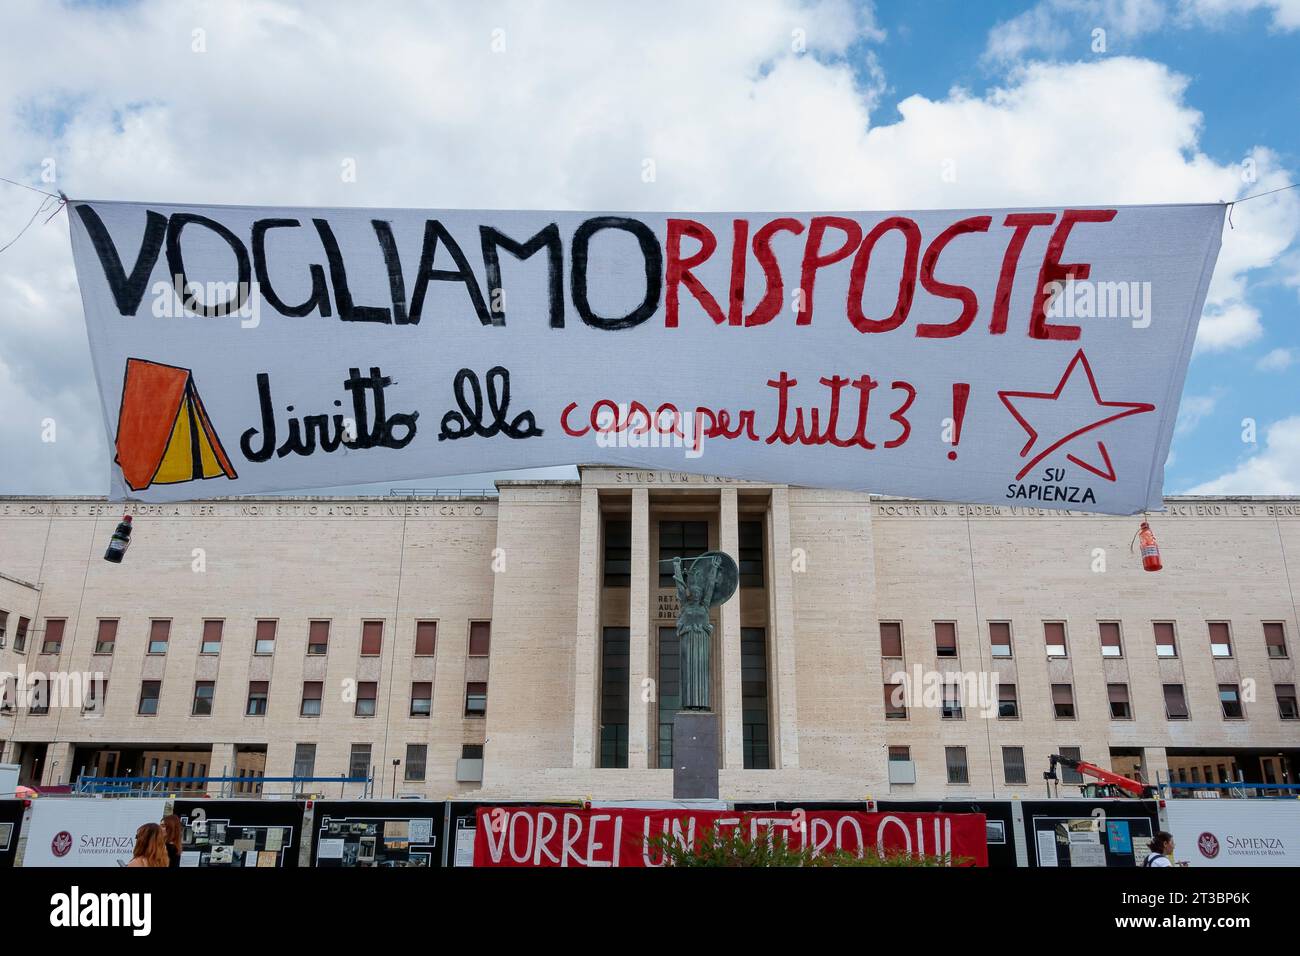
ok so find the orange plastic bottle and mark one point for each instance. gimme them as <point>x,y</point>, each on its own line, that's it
<point>1150,550</point>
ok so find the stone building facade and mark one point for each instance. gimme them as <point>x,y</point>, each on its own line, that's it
<point>520,644</point>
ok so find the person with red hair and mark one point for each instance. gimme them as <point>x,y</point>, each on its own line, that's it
<point>150,847</point>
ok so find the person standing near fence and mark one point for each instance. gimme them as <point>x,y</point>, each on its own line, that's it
<point>171,825</point>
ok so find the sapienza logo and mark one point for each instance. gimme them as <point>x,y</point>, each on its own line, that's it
<point>61,843</point>
<point>1208,844</point>
<point>74,908</point>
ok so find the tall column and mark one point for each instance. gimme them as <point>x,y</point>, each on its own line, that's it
<point>586,651</point>
<point>733,730</point>
<point>221,763</point>
<point>58,769</point>
<point>1155,764</point>
<point>639,669</point>
<point>783,645</point>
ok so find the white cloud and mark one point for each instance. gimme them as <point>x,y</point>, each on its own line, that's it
<point>1273,471</point>
<point>1228,327</point>
<point>1278,360</point>
<point>1284,14</point>
<point>564,116</point>
<point>1055,27</point>
<point>1193,410</point>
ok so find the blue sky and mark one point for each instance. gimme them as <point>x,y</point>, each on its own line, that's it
<point>1183,92</point>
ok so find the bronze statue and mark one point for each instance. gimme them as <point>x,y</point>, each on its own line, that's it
<point>708,581</point>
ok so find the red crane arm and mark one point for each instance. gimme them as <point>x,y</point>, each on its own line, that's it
<point>1100,773</point>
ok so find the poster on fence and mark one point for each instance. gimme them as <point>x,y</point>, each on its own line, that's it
<point>1006,356</point>
<point>622,836</point>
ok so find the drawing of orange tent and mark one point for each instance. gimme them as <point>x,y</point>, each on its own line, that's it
<point>164,436</point>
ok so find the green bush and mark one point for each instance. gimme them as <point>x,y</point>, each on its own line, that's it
<point>732,848</point>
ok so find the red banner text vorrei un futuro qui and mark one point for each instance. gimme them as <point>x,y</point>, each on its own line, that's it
<point>619,836</point>
<point>1002,356</point>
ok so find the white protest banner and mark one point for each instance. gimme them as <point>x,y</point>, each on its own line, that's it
<point>1023,357</point>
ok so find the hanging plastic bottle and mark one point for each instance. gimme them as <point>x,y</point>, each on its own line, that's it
<point>1150,550</point>
<point>120,541</point>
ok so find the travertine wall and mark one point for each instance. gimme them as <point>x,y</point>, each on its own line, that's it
<point>837,564</point>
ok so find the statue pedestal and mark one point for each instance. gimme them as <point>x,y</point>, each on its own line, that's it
<point>695,755</point>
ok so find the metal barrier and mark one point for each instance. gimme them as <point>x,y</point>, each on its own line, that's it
<point>195,786</point>
<point>1286,791</point>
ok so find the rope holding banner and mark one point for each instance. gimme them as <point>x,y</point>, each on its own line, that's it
<point>1267,192</point>
<point>60,196</point>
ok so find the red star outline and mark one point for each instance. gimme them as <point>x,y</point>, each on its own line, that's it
<point>1129,408</point>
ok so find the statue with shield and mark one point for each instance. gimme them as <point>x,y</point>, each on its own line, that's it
<point>702,583</point>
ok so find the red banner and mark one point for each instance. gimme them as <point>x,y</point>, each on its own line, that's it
<point>619,836</point>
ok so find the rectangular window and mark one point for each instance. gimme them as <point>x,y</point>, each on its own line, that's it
<point>1054,638</point>
<point>367,692</point>
<point>39,696</point>
<point>1230,699</point>
<point>311,698</point>
<point>1165,642</point>
<point>1000,638</point>
<point>891,639</point>
<point>53,643</point>
<point>149,692</point>
<point>426,638</point>
<point>1068,775</point>
<point>96,696</point>
<point>955,760</point>
<point>618,553</point>
<point>264,640</point>
<point>372,638</point>
<point>20,635</point>
<point>159,634</point>
<point>1008,707</point>
<point>421,698</point>
<point>359,761</point>
<point>480,638</point>
<point>945,638</point>
<point>4,625</point>
<point>318,638</point>
<point>1275,638</point>
<point>1286,702</point>
<point>952,702</point>
<point>751,554</point>
<point>1063,701</point>
<point>1220,639</point>
<point>211,642</point>
<point>471,752</point>
<point>614,664</point>
<point>900,754</point>
<point>416,756</point>
<point>304,760</point>
<point>475,699</point>
<point>1119,704</point>
<point>1110,640</point>
<point>1013,765</point>
<point>1175,702</point>
<point>669,692</point>
<point>106,637</point>
<point>895,706</point>
<point>680,539</point>
<point>257,694</point>
<point>753,698</point>
<point>204,693</point>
